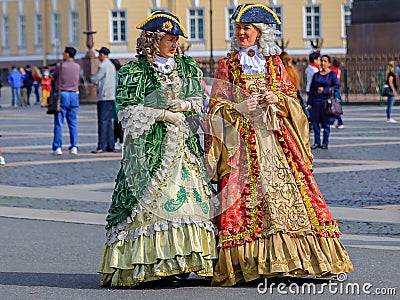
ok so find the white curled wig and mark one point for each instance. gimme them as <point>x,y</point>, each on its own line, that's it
<point>266,43</point>
<point>148,44</point>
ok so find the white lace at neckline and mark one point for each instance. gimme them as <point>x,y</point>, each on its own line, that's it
<point>165,64</point>
<point>252,64</point>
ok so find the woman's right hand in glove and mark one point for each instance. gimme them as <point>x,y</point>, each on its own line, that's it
<point>175,118</point>
<point>247,105</point>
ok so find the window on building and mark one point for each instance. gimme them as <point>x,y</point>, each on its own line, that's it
<point>346,18</point>
<point>230,29</point>
<point>278,11</point>
<point>196,24</point>
<point>5,37</point>
<point>118,21</point>
<point>56,29</point>
<point>38,30</point>
<point>22,31</point>
<point>312,14</point>
<point>74,28</point>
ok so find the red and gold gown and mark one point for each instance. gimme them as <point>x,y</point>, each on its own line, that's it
<point>274,220</point>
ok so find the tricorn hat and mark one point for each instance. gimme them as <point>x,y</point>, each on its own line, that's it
<point>255,13</point>
<point>163,21</point>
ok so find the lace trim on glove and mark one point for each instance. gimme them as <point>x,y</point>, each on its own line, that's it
<point>137,119</point>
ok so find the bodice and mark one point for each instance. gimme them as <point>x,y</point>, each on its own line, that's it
<point>171,85</point>
<point>256,84</point>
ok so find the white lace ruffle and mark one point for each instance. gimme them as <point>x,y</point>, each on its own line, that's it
<point>114,234</point>
<point>252,64</point>
<point>137,119</point>
<point>165,64</point>
<point>197,104</point>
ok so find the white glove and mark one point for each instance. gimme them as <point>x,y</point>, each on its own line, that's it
<point>247,105</point>
<point>178,105</point>
<point>171,117</point>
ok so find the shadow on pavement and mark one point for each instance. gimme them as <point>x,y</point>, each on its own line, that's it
<point>91,281</point>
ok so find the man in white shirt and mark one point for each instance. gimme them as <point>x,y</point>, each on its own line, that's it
<point>312,68</point>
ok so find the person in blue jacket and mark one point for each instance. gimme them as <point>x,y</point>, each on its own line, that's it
<point>324,83</point>
<point>15,79</point>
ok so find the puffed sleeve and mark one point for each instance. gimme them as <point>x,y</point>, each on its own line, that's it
<point>130,85</point>
<point>135,116</point>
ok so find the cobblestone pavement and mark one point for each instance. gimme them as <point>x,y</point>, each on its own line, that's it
<point>361,168</point>
<point>359,176</point>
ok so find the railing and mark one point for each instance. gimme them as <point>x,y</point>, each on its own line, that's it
<point>361,74</point>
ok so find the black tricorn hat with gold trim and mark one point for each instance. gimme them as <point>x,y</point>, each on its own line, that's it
<point>255,13</point>
<point>163,21</point>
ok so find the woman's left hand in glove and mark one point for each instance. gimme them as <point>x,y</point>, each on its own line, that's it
<point>269,97</point>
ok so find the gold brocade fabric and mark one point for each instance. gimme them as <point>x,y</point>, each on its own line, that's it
<point>287,243</point>
<point>282,204</point>
<point>281,255</point>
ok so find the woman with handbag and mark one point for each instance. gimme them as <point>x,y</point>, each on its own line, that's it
<point>324,83</point>
<point>392,83</point>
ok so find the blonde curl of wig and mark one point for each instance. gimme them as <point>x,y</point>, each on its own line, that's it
<point>148,44</point>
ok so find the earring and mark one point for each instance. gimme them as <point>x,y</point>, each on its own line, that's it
<point>258,38</point>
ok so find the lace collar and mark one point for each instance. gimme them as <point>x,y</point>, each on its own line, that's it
<point>252,61</point>
<point>165,64</point>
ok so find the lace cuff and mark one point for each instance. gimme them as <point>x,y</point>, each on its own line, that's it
<point>197,104</point>
<point>137,119</point>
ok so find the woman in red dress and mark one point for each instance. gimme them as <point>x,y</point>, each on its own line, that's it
<point>273,220</point>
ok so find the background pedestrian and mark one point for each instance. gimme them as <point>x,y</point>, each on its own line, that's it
<point>28,83</point>
<point>46,86</point>
<point>37,78</point>
<point>15,81</point>
<point>323,84</point>
<point>336,68</point>
<point>24,98</point>
<point>118,131</point>
<point>2,160</point>
<point>104,79</point>
<point>392,82</point>
<point>295,79</point>
<point>312,68</point>
<point>68,73</point>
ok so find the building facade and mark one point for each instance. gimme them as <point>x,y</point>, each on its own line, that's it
<point>373,27</point>
<point>36,31</point>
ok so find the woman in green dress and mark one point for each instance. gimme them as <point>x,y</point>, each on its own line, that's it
<point>158,224</point>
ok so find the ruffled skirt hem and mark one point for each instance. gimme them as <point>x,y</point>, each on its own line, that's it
<point>281,255</point>
<point>186,249</point>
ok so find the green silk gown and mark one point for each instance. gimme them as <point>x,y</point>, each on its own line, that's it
<point>159,223</point>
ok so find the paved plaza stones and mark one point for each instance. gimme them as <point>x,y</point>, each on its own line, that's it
<point>359,176</point>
